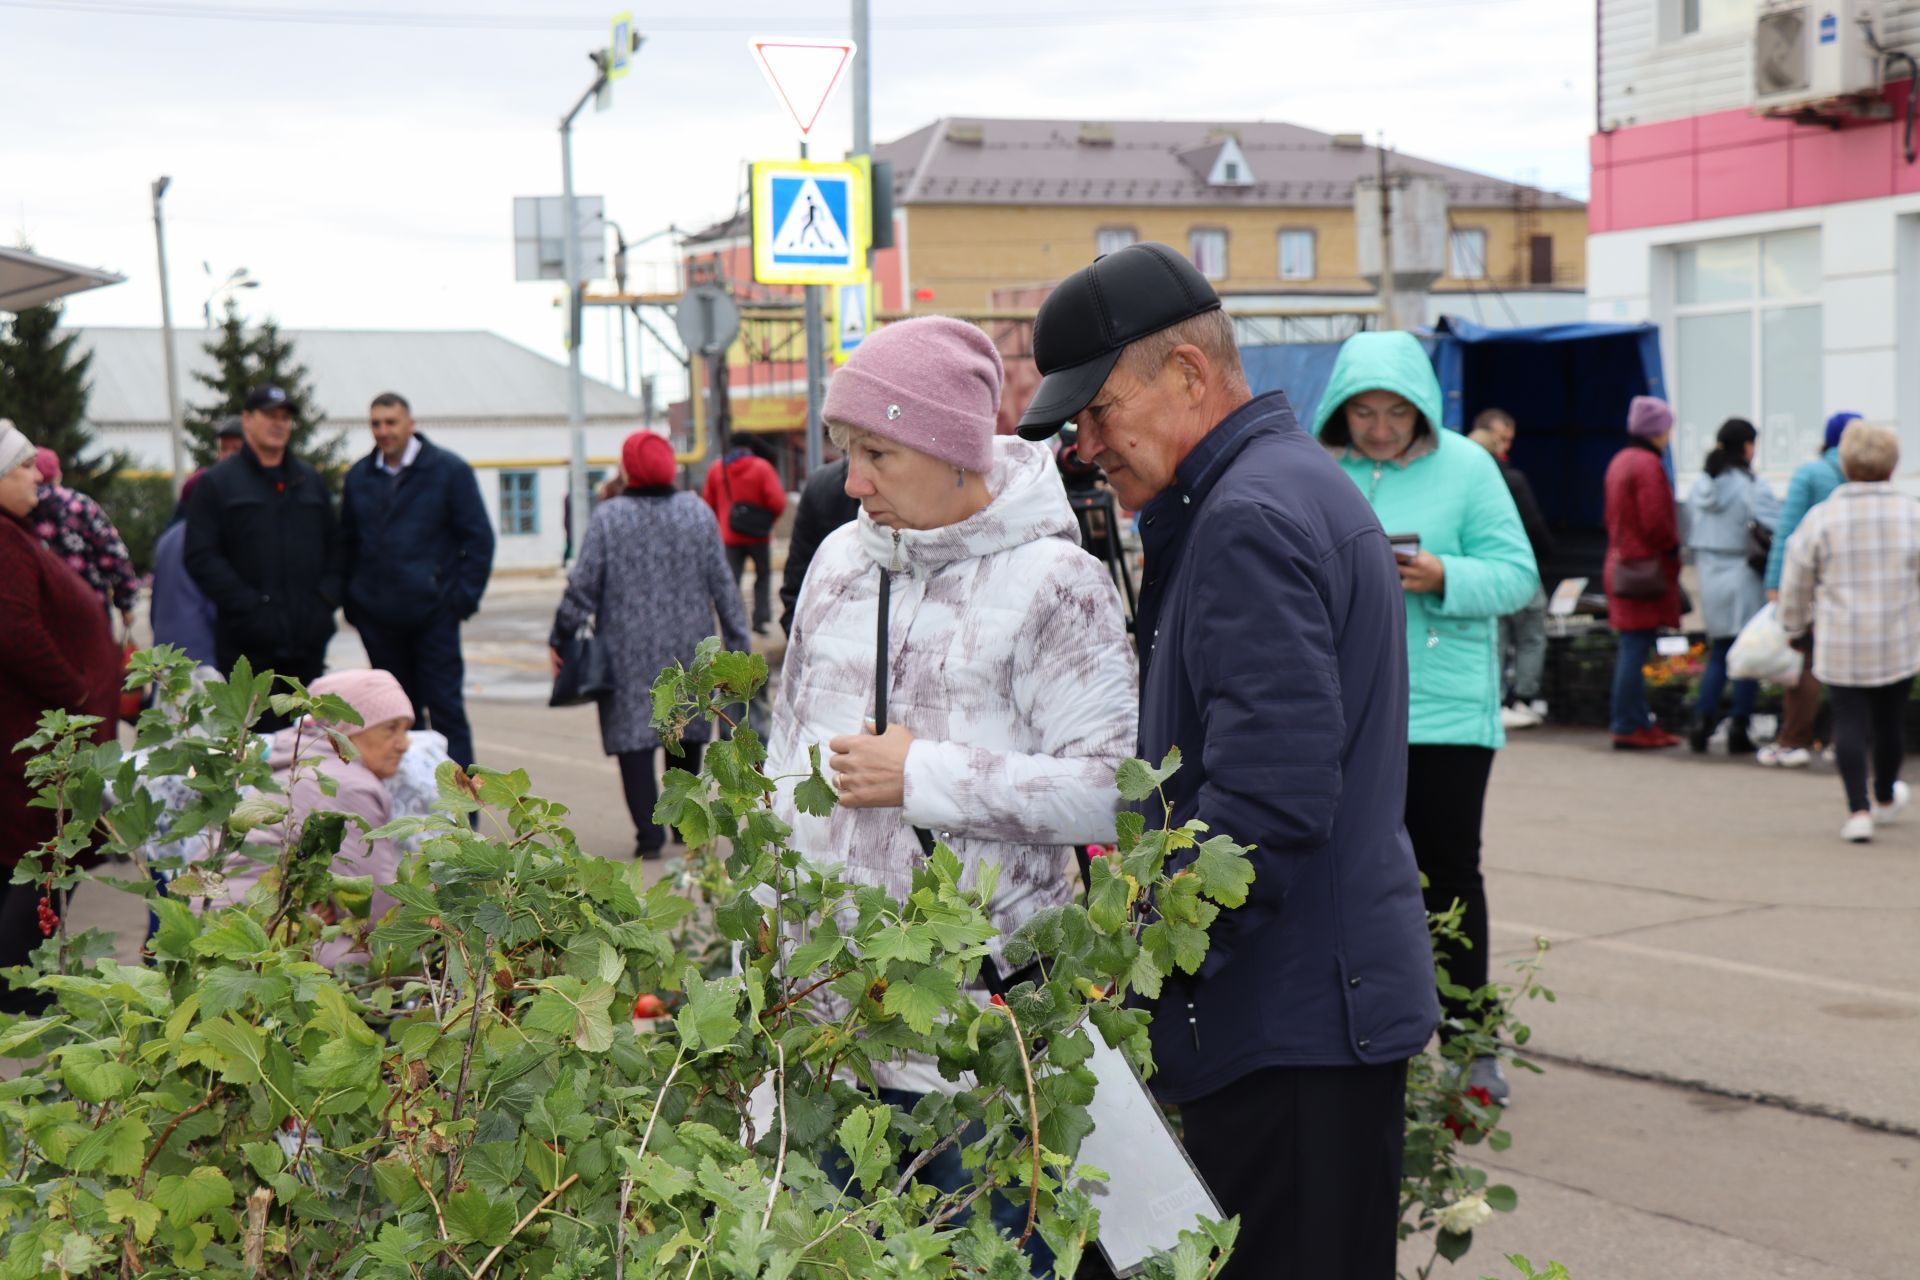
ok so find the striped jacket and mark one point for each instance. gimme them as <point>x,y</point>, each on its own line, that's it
<point>1852,573</point>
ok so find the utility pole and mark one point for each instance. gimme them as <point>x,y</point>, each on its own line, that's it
<point>581,504</point>
<point>620,286</point>
<point>862,82</point>
<point>1389,302</point>
<point>178,430</point>
<point>816,363</point>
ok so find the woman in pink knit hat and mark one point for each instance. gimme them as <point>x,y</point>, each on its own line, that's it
<point>303,754</point>
<point>1004,699</point>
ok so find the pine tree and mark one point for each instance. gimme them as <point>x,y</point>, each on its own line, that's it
<point>43,388</point>
<point>244,360</point>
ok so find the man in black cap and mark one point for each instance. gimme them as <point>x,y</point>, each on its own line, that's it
<point>263,544</point>
<point>230,437</point>
<point>1272,645</point>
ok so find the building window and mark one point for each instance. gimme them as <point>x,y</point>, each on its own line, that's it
<point>1749,344</point>
<point>519,502</point>
<point>1701,17</point>
<point>1467,254</point>
<point>1297,255</point>
<point>1207,246</point>
<point>1113,239</point>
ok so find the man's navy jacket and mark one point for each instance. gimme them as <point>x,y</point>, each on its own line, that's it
<point>1272,634</point>
<point>418,544</point>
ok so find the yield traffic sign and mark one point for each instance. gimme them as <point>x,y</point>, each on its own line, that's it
<point>812,221</point>
<point>803,73</point>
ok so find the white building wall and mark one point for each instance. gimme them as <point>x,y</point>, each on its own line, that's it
<point>1870,302</point>
<point>1649,72</point>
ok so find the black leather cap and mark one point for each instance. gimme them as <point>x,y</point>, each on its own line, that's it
<point>1092,316</point>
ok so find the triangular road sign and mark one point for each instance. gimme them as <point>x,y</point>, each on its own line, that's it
<point>809,226</point>
<point>803,73</point>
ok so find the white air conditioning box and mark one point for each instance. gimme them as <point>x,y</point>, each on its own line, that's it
<point>1810,51</point>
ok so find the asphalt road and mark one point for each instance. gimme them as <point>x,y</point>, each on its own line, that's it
<point>1732,1066</point>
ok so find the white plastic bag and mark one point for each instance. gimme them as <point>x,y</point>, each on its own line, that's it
<point>1762,653</point>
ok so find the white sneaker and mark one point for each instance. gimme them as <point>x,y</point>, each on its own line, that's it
<point>1902,796</point>
<point>1519,717</point>
<point>1858,829</point>
<point>1772,757</point>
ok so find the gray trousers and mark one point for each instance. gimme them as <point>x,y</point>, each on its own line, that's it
<point>1523,648</point>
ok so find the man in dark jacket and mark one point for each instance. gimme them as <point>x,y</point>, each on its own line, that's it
<point>419,550</point>
<point>263,544</point>
<point>1523,635</point>
<point>1272,641</point>
<point>824,507</point>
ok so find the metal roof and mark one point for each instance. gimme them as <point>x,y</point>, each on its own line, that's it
<point>973,160</point>
<point>464,374</point>
<point>27,279</point>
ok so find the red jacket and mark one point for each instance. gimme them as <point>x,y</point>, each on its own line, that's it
<point>56,650</point>
<point>1642,523</point>
<point>748,478</point>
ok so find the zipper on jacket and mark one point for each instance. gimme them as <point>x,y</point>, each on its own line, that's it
<point>1379,469</point>
<point>1193,1025</point>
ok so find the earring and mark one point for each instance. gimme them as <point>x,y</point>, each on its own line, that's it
<point>959,478</point>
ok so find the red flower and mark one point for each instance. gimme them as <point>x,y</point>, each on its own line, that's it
<point>1459,1122</point>
<point>997,1001</point>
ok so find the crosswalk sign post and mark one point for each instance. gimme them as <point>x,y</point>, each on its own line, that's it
<point>812,222</point>
<point>851,319</point>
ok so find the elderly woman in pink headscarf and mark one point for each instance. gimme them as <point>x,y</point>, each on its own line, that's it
<point>303,754</point>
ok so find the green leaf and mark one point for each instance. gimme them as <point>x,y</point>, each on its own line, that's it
<point>1175,943</point>
<point>193,1196</point>
<point>920,999</point>
<point>863,1139</point>
<point>124,1206</point>
<point>341,1064</point>
<point>475,1217</point>
<point>558,1115</point>
<point>1137,780</point>
<point>117,1149</point>
<point>1451,1245</point>
<point>77,1255</point>
<point>708,1021</point>
<point>235,937</point>
<point>98,1080</point>
<point>1502,1198</point>
<point>823,946</point>
<point>581,1011</point>
<point>1109,897</point>
<point>399,1247</point>
<point>663,1182</point>
<point>240,1049</point>
<point>266,1159</point>
<point>494,1164</point>
<point>1225,871</point>
<point>813,795</point>
<point>899,942</point>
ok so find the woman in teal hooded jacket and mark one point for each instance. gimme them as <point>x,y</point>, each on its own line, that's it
<point>1381,420</point>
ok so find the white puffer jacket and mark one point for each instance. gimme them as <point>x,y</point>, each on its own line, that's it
<point>1009,663</point>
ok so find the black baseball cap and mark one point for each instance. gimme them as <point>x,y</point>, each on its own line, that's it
<point>266,398</point>
<point>1094,314</point>
<point>230,426</point>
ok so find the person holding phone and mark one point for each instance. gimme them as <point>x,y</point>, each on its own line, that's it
<point>1464,563</point>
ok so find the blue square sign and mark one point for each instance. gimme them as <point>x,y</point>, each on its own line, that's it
<point>809,222</point>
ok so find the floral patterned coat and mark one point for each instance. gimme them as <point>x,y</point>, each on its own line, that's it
<point>73,527</point>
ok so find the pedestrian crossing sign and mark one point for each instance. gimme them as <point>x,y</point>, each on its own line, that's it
<point>851,316</point>
<point>811,222</point>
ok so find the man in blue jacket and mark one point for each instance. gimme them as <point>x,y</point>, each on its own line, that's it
<point>1272,642</point>
<point>419,552</point>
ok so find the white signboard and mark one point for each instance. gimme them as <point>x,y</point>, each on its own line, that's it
<point>540,232</point>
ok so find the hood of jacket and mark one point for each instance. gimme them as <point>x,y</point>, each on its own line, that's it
<point>1393,362</point>
<point>1029,504</point>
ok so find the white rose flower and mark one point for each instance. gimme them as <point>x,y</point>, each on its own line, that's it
<point>1463,1216</point>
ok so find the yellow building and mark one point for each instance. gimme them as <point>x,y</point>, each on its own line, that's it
<point>988,210</point>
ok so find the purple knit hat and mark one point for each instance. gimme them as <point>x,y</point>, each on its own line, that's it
<point>931,383</point>
<point>1648,417</point>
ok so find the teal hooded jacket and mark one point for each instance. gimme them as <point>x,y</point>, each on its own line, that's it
<point>1449,492</point>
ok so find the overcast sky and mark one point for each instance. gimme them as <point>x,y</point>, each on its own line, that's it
<point>360,156</point>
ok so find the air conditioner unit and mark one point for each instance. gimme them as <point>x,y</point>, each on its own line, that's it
<point>1810,51</point>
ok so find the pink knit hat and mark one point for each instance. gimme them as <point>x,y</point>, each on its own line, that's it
<point>931,383</point>
<point>1648,417</point>
<point>48,463</point>
<point>376,695</point>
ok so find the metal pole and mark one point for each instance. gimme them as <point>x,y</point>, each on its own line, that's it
<point>1389,293</point>
<point>177,432</point>
<point>580,504</point>
<point>862,82</point>
<point>816,365</point>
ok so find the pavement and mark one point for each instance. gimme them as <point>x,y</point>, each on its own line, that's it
<point>1731,1082</point>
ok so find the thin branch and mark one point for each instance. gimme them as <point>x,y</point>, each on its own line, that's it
<point>780,1164</point>
<point>802,994</point>
<point>521,1225</point>
<point>473,1037</point>
<point>626,1183</point>
<point>1033,1115</point>
<point>166,1133</point>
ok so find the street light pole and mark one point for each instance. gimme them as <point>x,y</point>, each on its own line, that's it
<point>862,81</point>
<point>816,363</point>
<point>576,389</point>
<point>177,428</point>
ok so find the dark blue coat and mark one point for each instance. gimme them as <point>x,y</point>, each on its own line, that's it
<point>180,612</point>
<point>1272,634</point>
<point>418,544</point>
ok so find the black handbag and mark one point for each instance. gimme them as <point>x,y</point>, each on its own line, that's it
<point>746,519</point>
<point>586,670</point>
<point>1759,546</point>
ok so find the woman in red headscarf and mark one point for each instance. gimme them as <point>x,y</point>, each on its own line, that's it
<point>652,576</point>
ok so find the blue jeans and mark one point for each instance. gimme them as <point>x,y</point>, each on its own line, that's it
<point>1629,713</point>
<point>1714,679</point>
